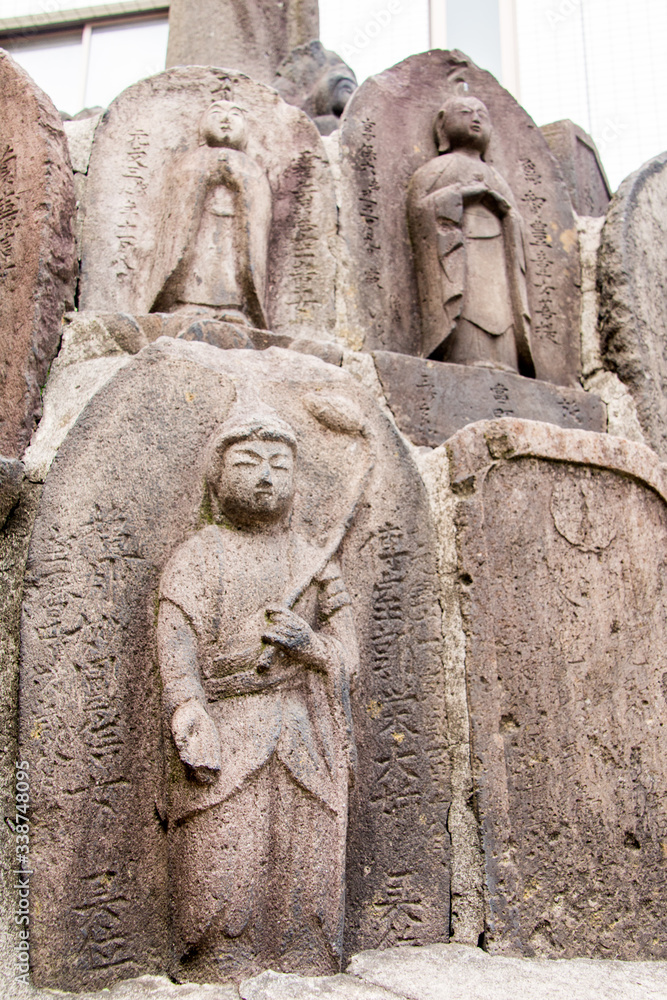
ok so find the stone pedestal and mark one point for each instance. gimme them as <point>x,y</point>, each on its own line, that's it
<point>431,400</point>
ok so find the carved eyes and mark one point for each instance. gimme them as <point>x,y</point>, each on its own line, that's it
<point>252,458</point>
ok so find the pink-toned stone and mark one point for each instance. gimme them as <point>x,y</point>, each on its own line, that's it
<point>124,518</point>
<point>37,262</point>
<point>633,301</point>
<point>154,187</point>
<point>562,565</point>
<point>387,135</point>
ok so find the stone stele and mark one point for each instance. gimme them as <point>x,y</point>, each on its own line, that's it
<point>207,192</point>
<point>387,134</point>
<point>196,771</point>
<point>632,260</point>
<point>37,260</point>
<point>252,37</point>
<point>562,564</point>
<point>582,167</point>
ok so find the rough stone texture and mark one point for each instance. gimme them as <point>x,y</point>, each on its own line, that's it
<point>582,168</point>
<point>386,135</point>
<point>253,38</point>
<point>622,418</point>
<point>14,539</point>
<point>80,134</point>
<point>561,561</point>
<point>96,345</point>
<point>451,972</point>
<point>431,400</point>
<point>11,476</point>
<point>37,263</point>
<point>123,492</point>
<point>143,195</point>
<point>317,81</point>
<point>141,988</point>
<point>469,248</point>
<point>467,876</point>
<point>435,972</point>
<point>277,986</point>
<point>633,301</point>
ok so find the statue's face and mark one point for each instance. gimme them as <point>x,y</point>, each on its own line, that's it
<point>225,125</point>
<point>341,87</point>
<point>464,122</point>
<point>256,481</point>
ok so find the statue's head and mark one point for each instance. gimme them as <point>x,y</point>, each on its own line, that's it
<point>251,472</point>
<point>224,124</point>
<point>463,122</point>
<point>334,89</point>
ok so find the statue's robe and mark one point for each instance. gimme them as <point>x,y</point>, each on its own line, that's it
<point>214,237</point>
<point>470,263</point>
<point>257,858</point>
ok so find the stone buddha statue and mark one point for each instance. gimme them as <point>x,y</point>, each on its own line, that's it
<point>467,238</point>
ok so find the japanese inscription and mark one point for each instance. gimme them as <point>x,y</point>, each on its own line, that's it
<point>9,210</point>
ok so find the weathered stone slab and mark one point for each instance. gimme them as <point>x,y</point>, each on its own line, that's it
<point>37,262</point>
<point>280,986</point>
<point>431,400</point>
<point>251,37</point>
<point>455,972</point>
<point>582,168</point>
<point>561,560</point>
<point>386,136</point>
<point>185,209</point>
<point>125,491</point>
<point>633,298</point>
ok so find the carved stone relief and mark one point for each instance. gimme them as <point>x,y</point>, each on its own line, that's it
<point>469,248</point>
<point>386,139</point>
<point>207,194</point>
<point>37,261</point>
<point>197,560</point>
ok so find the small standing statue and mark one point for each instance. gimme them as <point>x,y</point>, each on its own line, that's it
<point>257,647</point>
<point>216,230</point>
<point>467,238</point>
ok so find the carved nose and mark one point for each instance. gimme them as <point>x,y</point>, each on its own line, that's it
<point>266,475</point>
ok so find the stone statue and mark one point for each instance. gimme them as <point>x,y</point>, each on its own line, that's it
<point>317,81</point>
<point>468,245</point>
<point>216,231</point>
<point>257,647</point>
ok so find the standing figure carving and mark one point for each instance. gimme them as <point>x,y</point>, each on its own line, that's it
<point>257,648</point>
<point>216,230</point>
<point>467,238</point>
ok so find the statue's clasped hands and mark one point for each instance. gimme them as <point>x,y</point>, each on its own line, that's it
<point>288,631</point>
<point>472,192</point>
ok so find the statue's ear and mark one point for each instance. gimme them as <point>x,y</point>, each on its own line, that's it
<point>441,141</point>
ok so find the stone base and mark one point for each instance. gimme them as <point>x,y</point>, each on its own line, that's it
<point>436,972</point>
<point>431,400</point>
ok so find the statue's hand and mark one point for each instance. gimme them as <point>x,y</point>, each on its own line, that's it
<point>290,632</point>
<point>471,191</point>
<point>501,201</point>
<point>196,737</point>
